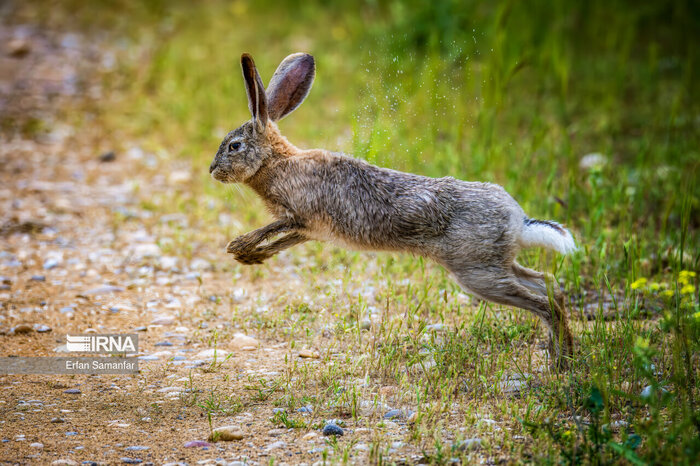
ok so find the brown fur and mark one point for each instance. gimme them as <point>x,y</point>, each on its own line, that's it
<point>474,230</point>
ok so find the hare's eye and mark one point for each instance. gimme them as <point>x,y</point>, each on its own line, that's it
<point>234,146</point>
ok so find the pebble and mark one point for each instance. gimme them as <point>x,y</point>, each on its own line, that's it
<point>242,342</point>
<point>197,443</point>
<point>42,328</point>
<point>38,278</point>
<point>127,460</point>
<point>5,280</point>
<point>469,444</point>
<point>163,343</point>
<point>72,391</point>
<point>310,436</point>
<point>332,429</point>
<point>366,324</point>
<point>163,319</point>
<point>276,445</point>
<point>308,354</point>
<point>306,409</point>
<point>57,420</point>
<point>108,156</point>
<point>50,263</point>
<point>210,354</point>
<point>104,289</point>
<point>226,434</point>
<point>22,329</point>
<point>19,47</point>
<point>137,448</point>
<point>36,445</point>
<point>435,328</point>
<point>398,414</point>
<point>65,462</point>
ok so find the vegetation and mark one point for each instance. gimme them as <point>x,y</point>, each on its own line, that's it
<point>516,93</point>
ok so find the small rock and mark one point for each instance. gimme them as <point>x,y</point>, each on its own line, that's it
<point>398,414</point>
<point>163,319</point>
<point>5,280</point>
<point>332,429</point>
<point>72,391</point>
<point>65,462</point>
<point>469,444</point>
<point>22,329</point>
<point>19,47</point>
<point>435,328</point>
<point>50,263</point>
<point>127,460</point>
<point>276,445</point>
<point>36,445</point>
<point>137,448</point>
<point>226,434</point>
<point>104,289</point>
<point>57,420</point>
<point>276,432</point>
<point>39,278</point>
<point>308,354</point>
<point>365,324</point>
<point>42,328</point>
<point>163,343</point>
<point>310,436</point>
<point>306,409</point>
<point>212,353</point>
<point>196,444</point>
<point>108,157</point>
<point>242,342</point>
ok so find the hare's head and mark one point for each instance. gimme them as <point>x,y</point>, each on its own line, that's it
<point>245,149</point>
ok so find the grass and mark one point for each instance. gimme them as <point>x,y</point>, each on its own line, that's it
<point>514,93</point>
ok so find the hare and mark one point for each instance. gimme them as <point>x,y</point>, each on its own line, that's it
<point>472,229</point>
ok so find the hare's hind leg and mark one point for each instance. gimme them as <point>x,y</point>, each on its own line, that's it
<point>545,284</point>
<point>503,286</point>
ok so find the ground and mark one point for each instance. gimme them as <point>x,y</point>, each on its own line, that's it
<point>96,239</point>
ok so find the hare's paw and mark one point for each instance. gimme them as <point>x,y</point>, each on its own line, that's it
<point>255,256</point>
<point>237,246</point>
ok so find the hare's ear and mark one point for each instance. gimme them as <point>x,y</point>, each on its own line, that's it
<point>257,101</point>
<point>290,84</point>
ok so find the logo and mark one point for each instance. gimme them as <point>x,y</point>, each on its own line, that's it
<point>102,343</point>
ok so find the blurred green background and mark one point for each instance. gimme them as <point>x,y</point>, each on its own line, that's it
<point>511,92</point>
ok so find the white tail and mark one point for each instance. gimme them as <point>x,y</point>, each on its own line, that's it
<point>547,234</point>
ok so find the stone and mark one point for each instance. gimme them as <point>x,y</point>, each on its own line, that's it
<point>104,289</point>
<point>137,448</point>
<point>242,342</point>
<point>72,391</point>
<point>36,445</point>
<point>57,420</point>
<point>108,157</point>
<point>22,329</point>
<point>468,444</point>
<point>197,444</point>
<point>276,445</point>
<point>163,319</point>
<point>128,460</point>
<point>398,414</point>
<point>226,434</point>
<point>50,263</point>
<point>212,353</point>
<point>332,429</point>
<point>309,354</point>
<point>42,328</point>
<point>65,462</point>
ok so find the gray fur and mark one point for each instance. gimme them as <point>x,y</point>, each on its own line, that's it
<point>471,229</point>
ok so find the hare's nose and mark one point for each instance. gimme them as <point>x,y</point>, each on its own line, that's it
<point>212,167</point>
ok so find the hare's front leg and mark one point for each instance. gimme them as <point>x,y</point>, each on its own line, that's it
<point>259,254</point>
<point>246,243</point>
